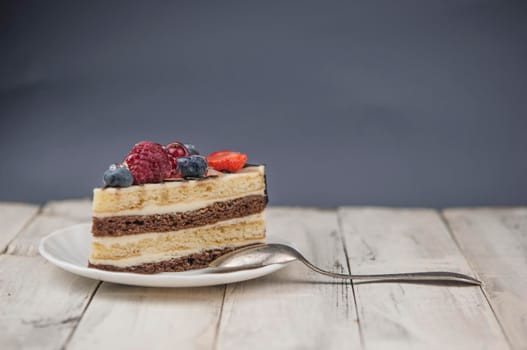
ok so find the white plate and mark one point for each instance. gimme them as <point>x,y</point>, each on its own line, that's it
<point>69,248</point>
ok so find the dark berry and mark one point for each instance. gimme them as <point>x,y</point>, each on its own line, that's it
<point>174,151</point>
<point>177,149</point>
<point>192,166</point>
<point>192,149</point>
<point>118,177</point>
<point>149,163</point>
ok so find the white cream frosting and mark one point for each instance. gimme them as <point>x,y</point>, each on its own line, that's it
<point>152,258</point>
<point>175,208</point>
<point>249,171</point>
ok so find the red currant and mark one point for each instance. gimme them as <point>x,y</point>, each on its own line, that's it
<point>174,151</point>
<point>177,149</point>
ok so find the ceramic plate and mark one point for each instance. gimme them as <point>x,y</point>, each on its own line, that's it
<point>69,248</point>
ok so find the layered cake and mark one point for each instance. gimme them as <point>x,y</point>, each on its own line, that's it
<point>167,208</point>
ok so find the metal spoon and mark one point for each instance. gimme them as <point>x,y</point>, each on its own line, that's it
<point>260,255</point>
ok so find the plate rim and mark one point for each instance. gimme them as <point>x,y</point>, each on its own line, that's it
<point>191,278</point>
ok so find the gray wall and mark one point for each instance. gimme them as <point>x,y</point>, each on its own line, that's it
<point>407,103</point>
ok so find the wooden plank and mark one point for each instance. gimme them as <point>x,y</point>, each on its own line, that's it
<point>407,316</point>
<point>54,215</point>
<point>78,209</point>
<point>14,216</point>
<point>27,241</point>
<point>495,243</point>
<point>122,317</point>
<point>39,303</point>
<point>294,308</point>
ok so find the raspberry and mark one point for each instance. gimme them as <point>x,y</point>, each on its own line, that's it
<point>148,162</point>
<point>227,160</point>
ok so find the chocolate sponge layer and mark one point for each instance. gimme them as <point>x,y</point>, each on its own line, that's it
<point>184,263</point>
<point>219,211</point>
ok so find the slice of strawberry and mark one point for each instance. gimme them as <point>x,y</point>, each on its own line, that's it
<point>227,160</point>
<point>221,153</point>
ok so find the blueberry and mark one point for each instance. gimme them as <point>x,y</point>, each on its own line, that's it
<point>192,149</point>
<point>192,166</point>
<point>118,177</point>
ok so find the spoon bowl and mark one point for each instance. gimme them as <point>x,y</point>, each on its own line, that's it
<point>256,255</point>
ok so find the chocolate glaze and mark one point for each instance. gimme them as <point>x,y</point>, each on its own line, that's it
<point>265,189</point>
<point>248,165</point>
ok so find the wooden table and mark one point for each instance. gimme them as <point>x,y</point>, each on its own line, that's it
<point>43,307</point>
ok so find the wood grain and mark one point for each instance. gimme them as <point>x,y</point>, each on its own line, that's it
<point>77,209</point>
<point>39,303</point>
<point>27,241</point>
<point>414,316</point>
<point>14,216</point>
<point>42,307</point>
<point>495,242</point>
<point>54,215</point>
<point>123,317</point>
<point>294,308</point>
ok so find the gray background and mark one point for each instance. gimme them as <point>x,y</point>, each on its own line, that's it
<point>406,103</point>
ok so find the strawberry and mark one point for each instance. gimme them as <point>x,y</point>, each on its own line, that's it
<point>227,160</point>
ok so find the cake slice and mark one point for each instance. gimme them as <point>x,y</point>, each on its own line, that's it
<point>182,222</point>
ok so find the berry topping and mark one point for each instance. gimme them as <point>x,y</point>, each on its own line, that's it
<point>118,176</point>
<point>227,160</point>
<point>174,151</point>
<point>192,166</point>
<point>149,163</point>
<point>177,149</point>
<point>192,149</point>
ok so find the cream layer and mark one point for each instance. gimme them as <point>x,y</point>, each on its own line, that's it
<point>152,247</point>
<point>152,258</point>
<point>183,235</point>
<point>115,200</point>
<point>152,208</point>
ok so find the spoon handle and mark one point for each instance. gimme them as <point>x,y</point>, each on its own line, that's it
<point>402,277</point>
